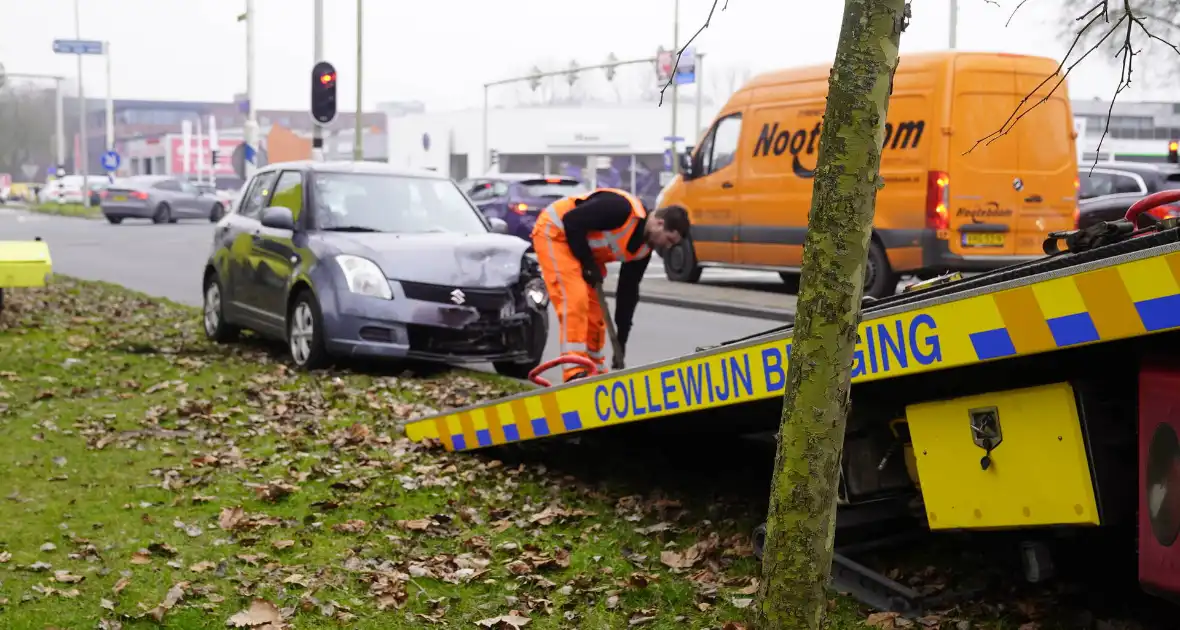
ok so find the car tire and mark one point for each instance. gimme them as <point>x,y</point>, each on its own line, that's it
<point>538,336</point>
<point>880,281</point>
<point>114,220</point>
<point>305,336</point>
<point>163,214</point>
<point>680,264</point>
<point>213,312</point>
<point>791,281</point>
<point>216,213</point>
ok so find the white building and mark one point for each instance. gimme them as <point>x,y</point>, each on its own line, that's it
<point>1137,131</point>
<point>607,145</point>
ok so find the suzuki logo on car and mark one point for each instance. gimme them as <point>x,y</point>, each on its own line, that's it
<point>458,297</point>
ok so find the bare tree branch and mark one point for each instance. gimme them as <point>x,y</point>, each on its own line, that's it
<point>680,53</point>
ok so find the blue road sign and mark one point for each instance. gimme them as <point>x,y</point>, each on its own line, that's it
<point>667,159</point>
<point>77,47</point>
<point>111,161</point>
<point>673,139</point>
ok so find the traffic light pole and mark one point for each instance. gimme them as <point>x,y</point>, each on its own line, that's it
<point>317,133</point>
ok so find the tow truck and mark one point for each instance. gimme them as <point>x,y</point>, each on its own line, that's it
<point>1040,396</point>
<point>24,264</point>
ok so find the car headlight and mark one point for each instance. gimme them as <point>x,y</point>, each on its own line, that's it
<point>536,293</point>
<point>364,277</point>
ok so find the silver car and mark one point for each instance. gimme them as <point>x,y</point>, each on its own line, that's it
<point>161,198</point>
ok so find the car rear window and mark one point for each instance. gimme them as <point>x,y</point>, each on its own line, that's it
<point>554,188</point>
<point>1171,182</point>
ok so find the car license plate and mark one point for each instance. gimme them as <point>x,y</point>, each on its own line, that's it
<point>983,239</point>
<point>119,198</point>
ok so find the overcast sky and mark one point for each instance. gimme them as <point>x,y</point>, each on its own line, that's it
<point>442,51</point>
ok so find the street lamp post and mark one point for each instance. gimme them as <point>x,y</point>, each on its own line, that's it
<point>110,118</point>
<point>954,26</point>
<point>250,130</point>
<point>85,157</point>
<point>358,144</point>
<point>675,86</point>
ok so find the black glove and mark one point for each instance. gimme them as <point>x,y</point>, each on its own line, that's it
<point>591,276</point>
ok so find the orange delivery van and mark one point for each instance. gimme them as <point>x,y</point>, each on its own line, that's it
<point>948,204</point>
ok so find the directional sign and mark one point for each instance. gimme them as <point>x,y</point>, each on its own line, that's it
<point>111,161</point>
<point>77,47</point>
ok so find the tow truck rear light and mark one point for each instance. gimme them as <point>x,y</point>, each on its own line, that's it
<point>938,200</point>
<point>520,208</point>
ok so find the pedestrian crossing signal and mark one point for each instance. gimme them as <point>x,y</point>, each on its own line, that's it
<point>1173,156</point>
<point>323,93</point>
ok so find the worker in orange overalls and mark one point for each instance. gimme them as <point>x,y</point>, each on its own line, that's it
<point>575,238</point>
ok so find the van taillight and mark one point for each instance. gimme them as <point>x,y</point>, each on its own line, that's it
<point>938,200</point>
<point>1077,218</point>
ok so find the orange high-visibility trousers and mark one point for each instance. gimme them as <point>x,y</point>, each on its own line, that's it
<point>581,328</point>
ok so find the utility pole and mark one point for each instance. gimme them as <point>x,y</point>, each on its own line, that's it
<point>358,143</point>
<point>250,131</point>
<point>317,132</point>
<point>59,116</point>
<point>699,78</point>
<point>675,87</point>
<point>954,32</point>
<point>85,159</point>
<point>106,47</point>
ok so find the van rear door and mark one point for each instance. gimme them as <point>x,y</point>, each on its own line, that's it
<point>983,200</point>
<point>1047,158</point>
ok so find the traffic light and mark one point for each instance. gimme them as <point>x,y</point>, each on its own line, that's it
<point>323,93</point>
<point>1173,157</point>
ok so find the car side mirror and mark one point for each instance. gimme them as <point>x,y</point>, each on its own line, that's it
<point>499,226</point>
<point>686,164</point>
<point>279,218</point>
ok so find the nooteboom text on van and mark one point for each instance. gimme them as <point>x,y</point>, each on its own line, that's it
<point>773,140</point>
<point>760,371</point>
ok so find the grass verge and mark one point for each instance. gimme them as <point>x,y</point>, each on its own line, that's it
<point>68,210</point>
<point>153,479</point>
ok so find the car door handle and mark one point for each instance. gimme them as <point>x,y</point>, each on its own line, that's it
<point>1033,199</point>
<point>727,184</point>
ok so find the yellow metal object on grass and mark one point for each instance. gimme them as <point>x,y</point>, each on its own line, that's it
<point>1038,473</point>
<point>24,264</point>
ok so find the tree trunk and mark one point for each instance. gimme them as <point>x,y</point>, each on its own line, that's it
<point>797,560</point>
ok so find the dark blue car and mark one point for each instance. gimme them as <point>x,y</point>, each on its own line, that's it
<point>517,198</point>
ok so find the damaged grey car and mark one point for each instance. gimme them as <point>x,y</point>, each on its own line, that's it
<point>355,259</point>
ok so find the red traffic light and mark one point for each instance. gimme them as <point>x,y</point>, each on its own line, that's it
<point>327,78</point>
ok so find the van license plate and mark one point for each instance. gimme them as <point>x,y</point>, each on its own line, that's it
<point>983,239</point>
<point>119,198</point>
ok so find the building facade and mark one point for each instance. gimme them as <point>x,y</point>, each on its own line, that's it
<point>1137,131</point>
<point>618,146</point>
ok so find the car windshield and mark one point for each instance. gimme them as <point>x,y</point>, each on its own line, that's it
<point>392,203</point>
<point>551,189</point>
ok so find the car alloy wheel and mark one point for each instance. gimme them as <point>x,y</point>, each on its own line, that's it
<point>212,309</point>
<point>302,334</point>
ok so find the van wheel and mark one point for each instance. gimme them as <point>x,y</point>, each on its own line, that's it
<point>791,281</point>
<point>880,281</point>
<point>680,265</point>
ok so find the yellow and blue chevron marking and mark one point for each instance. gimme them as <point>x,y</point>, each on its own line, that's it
<point>1107,304</point>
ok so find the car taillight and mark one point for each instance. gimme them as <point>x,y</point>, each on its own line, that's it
<point>102,194</point>
<point>142,196</point>
<point>938,200</point>
<point>520,208</point>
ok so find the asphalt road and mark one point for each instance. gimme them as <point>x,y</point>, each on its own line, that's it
<point>166,261</point>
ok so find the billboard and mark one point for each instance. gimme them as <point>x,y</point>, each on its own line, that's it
<point>224,162</point>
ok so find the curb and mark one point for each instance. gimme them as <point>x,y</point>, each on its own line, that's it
<point>754,312</point>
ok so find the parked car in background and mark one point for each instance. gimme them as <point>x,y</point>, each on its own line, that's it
<point>161,198</point>
<point>1107,190</point>
<point>517,198</point>
<point>349,259</point>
